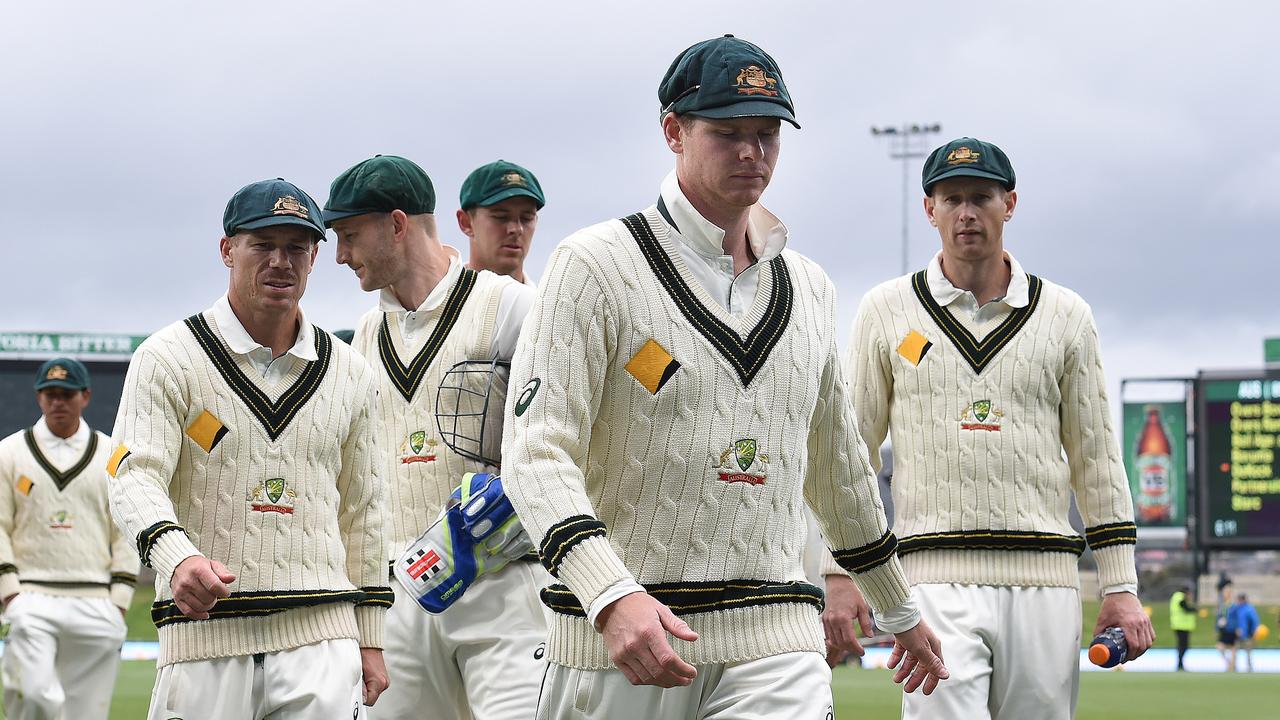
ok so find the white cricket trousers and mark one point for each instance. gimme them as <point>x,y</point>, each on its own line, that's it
<point>482,658</point>
<point>61,657</point>
<point>320,681</point>
<point>1013,653</point>
<point>791,686</point>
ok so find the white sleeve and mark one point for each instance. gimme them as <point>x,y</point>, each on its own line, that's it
<point>516,302</point>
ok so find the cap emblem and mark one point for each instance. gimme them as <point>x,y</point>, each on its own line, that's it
<point>962,156</point>
<point>512,179</point>
<point>753,80</point>
<point>289,205</point>
<point>57,372</point>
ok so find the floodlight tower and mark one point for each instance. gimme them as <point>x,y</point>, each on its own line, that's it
<point>906,143</point>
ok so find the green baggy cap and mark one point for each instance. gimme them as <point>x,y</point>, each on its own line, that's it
<point>725,77</point>
<point>491,184</point>
<point>271,202</point>
<point>62,372</point>
<point>967,156</point>
<point>379,185</point>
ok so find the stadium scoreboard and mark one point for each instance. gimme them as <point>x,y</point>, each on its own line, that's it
<point>1238,445</point>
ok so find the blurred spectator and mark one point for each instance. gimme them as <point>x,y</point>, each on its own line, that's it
<point>1246,622</point>
<point>1182,619</point>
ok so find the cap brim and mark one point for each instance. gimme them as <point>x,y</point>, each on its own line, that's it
<point>275,220</point>
<point>511,192</point>
<point>332,216</point>
<point>58,384</point>
<point>747,108</point>
<point>967,172</point>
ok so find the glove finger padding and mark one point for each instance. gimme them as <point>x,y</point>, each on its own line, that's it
<point>478,532</point>
<point>490,520</point>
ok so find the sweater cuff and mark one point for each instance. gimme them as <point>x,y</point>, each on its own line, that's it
<point>1116,565</point>
<point>168,552</point>
<point>828,564</point>
<point>901,618</point>
<point>369,623</point>
<point>9,584</point>
<point>591,567</point>
<point>885,586</point>
<point>121,595</point>
<point>612,594</point>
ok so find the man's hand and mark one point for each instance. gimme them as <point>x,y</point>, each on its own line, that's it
<point>844,605</point>
<point>197,583</point>
<point>1124,610</point>
<point>374,671</point>
<point>923,663</point>
<point>635,631</point>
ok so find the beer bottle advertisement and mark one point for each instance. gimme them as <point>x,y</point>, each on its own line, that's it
<point>1155,460</point>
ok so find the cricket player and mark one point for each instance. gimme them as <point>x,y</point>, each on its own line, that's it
<point>680,403</point>
<point>245,466</point>
<point>66,572</point>
<point>990,381</point>
<point>483,657</point>
<point>499,204</point>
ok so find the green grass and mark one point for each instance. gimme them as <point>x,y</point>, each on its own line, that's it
<point>133,690</point>
<point>871,695</point>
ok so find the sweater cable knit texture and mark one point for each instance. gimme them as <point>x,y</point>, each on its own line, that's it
<point>279,482</point>
<point>658,438</point>
<point>980,414</point>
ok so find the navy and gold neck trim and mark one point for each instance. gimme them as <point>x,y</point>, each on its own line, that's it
<point>60,478</point>
<point>274,416</point>
<point>408,378</point>
<point>747,356</point>
<point>977,353</point>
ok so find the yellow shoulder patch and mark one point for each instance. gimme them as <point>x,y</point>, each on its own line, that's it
<point>653,366</point>
<point>25,485</point>
<point>117,457</point>
<point>207,431</point>
<point>913,347</point>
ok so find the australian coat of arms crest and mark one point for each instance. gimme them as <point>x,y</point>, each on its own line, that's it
<point>742,462</point>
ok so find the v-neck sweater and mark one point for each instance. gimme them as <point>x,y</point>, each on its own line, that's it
<point>277,481</point>
<point>419,467</point>
<point>653,436</point>
<point>995,428</point>
<point>56,533</point>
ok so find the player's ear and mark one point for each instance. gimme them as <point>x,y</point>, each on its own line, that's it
<point>399,223</point>
<point>87,394</point>
<point>928,210</point>
<point>1010,202</point>
<point>464,223</point>
<point>673,132</point>
<point>224,247</point>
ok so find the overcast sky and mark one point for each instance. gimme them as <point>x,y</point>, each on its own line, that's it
<point>1143,135</point>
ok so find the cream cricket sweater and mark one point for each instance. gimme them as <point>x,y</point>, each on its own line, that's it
<point>981,411</point>
<point>651,436</point>
<point>276,481</point>
<point>56,534</point>
<point>419,467</point>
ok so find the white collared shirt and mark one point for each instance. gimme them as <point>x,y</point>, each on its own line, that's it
<point>272,368</point>
<point>516,301</point>
<point>964,305</point>
<point>62,452</point>
<point>701,246</point>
